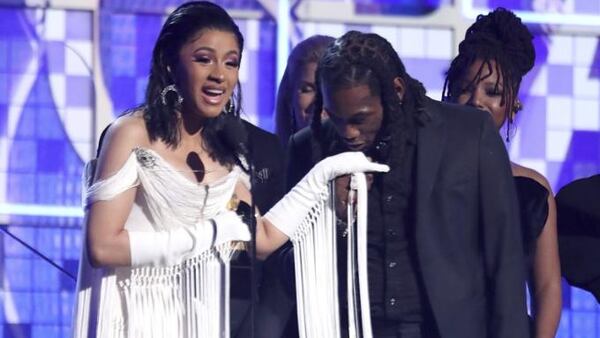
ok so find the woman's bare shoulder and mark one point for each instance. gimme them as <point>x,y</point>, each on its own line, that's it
<point>519,170</point>
<point>125,134</point>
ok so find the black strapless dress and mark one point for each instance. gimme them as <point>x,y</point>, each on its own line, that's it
<point>533,209</point>
<point>578,225</point>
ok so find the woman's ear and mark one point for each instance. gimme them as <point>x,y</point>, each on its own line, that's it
<point>400,87</point>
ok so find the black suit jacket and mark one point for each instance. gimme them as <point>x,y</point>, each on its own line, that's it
<point>467,231</point>
<point>267,156</point>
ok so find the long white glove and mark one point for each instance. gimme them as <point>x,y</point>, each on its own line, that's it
<point>289,212</point>
<point>165,248</point>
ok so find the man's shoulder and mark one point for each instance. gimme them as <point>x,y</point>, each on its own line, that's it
<point>459,130</point>
<point>577,207</point>
<point>580,190</point>
<point>454,112</point>
<point>257,132</point>
<point>260,137</point>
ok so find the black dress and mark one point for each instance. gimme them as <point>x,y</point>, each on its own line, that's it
<point>533,209</point>
<point>578,225</point>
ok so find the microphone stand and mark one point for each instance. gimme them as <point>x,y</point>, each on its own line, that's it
<point>232,132</point>
<point>4,228</point>
<point>253,281</point>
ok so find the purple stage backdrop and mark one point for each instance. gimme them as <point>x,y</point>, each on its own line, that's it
<point>49,108</point>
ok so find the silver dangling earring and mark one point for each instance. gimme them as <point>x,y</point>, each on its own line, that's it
<point>230,107</point>
<point>165,92</point>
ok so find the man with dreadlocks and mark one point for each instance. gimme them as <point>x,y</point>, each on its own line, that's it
<point>444,242</point>
<point>494,56</point>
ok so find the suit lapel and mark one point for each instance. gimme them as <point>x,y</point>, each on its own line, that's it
<point>431,139</point>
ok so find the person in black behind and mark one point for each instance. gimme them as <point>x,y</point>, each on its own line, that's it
<point>496,53</point>
<point>444,242</point>
<point>578,209</point>
<point>266,154</point>
<point>296,90</point>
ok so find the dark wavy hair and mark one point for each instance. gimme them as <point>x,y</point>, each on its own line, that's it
<point>306,52</point>
<point>161,119</point>
<point>501,37</point>
<point>368,59</point>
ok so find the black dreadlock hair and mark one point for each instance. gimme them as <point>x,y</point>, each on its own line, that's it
<point>368,59</point>
<point>498,37</point>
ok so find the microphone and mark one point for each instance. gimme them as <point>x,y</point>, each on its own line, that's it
<point>234,136</point>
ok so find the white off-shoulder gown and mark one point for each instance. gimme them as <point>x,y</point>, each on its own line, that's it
<point>188,299</point>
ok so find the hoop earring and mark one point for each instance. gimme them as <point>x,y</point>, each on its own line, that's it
<point>165,92</point>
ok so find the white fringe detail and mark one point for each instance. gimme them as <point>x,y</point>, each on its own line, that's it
<point>189,299</point>
<point>186,300</point>
<point>316,268</point>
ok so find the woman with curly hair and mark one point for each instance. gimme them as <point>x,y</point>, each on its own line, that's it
<point>493,58</point>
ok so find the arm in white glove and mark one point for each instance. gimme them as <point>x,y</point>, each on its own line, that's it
<point>164,248</point>
<point>289,212</point>
<point>107,242</point>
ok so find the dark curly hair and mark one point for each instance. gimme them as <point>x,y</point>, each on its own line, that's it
<point>359,58</point>
<point>160,117</point>
<point>498,37</point>
<point>306,52</point>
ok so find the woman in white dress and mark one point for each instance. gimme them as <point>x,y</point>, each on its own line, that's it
<point>157,228</point>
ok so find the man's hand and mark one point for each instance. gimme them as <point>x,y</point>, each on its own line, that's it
<point>341,190</point>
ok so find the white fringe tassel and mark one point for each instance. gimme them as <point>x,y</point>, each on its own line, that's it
<point>316,269</point>
<point>187,300</point>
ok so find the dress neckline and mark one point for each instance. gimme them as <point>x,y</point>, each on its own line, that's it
<point>148,158</point>
<point>530,181</point>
